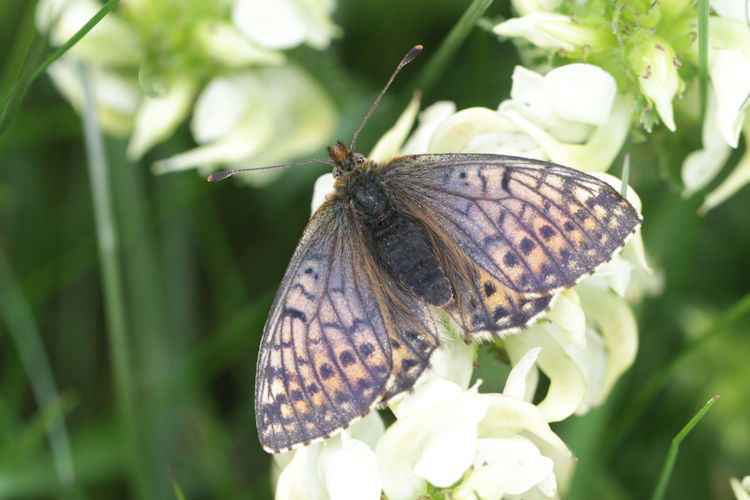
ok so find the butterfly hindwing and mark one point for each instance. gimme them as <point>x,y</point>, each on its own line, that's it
<point>414,337</point>
<point>484,304</point>
<point>325,358</point>
<point>535,226</point>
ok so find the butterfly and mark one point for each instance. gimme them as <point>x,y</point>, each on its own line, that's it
<point>489,239</point>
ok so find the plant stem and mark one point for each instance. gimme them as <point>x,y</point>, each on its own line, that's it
<point>439,62</point>
<point>112,283</point>
<point>19,321</point>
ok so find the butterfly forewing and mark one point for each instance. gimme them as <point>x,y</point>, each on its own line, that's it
<point>325,358</point>
<point>535,226</point>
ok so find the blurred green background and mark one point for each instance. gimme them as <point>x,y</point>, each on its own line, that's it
<point>201,263</point>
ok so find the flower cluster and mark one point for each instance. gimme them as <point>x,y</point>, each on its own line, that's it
<point>449,438</point>
<point>651,50</point>
<point>153,62</point>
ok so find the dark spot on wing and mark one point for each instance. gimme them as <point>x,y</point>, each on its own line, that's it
<point>296,314</point>
<point>505,179</point>
<point>499,314</point>
<point>326,371</point>
<point>527,246</point>
<point>547,232</point>
<point>347,358</point>
<point>366,349</point>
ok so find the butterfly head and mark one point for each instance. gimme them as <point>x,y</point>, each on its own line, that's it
<point>344,160</point>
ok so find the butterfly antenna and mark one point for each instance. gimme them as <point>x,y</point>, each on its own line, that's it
<point>414,52</point>
<point>220,176</point>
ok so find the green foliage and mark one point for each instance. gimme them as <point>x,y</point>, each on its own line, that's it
<point>199,264</point>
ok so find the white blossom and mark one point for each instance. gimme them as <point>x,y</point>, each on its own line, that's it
<point>741,489</point>
<point>340,468</point>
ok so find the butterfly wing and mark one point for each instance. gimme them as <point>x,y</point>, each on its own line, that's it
<point>325,358</point>
<point>511,231</point>
<point>535,226</point>
<point>341,337</point>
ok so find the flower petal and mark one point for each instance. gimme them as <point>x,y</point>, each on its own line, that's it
<point>733,9</point>
<point>590,103</point>
<point>516,385</point>
<point>429,120</point>
<point>323,187</point>
<point>568,315</point>
<point>157,117</point>
<point>567,386</point>
<point>291,482</point>
<point>730,76</point>
<point>619,331</point>
<point>389,145</point>
<point>737,179</point>
<point>448,427</point>
<point>741,490</point>
<point>596,154</point>
<point>457,441</point>
<point>351,472</point>
<point>223,42</point>
<point>553,31</point>
<point>283,24</point>
<point>701,166</point>
<point>481,130</point>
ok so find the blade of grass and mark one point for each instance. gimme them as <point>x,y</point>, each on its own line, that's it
<point>703,54</point>
<point>647,392</point>
<point>19,322</point>
<point>666,471</point>
<point>439,62</point>
<point>111,4</point>
<point>625,176</point>
<point>12,100</point>
<point>112,283</point>
<point>175,485</point>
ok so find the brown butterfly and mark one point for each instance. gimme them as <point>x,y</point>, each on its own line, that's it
<point>490,239</point>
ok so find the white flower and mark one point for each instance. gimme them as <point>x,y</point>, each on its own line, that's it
<point>256,118</point>
<point>480,445</point>
<point>283,24</point>
<point>340,468</point>
<point>581,129</point>
<point>741,490</point>
<point>147,77</point>
<point>726,113</point>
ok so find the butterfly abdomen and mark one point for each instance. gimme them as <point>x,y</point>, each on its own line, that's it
<point>399,241</point>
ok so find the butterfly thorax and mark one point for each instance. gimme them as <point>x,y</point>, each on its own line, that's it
<point>344,160</point>
<point>399,241</point>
